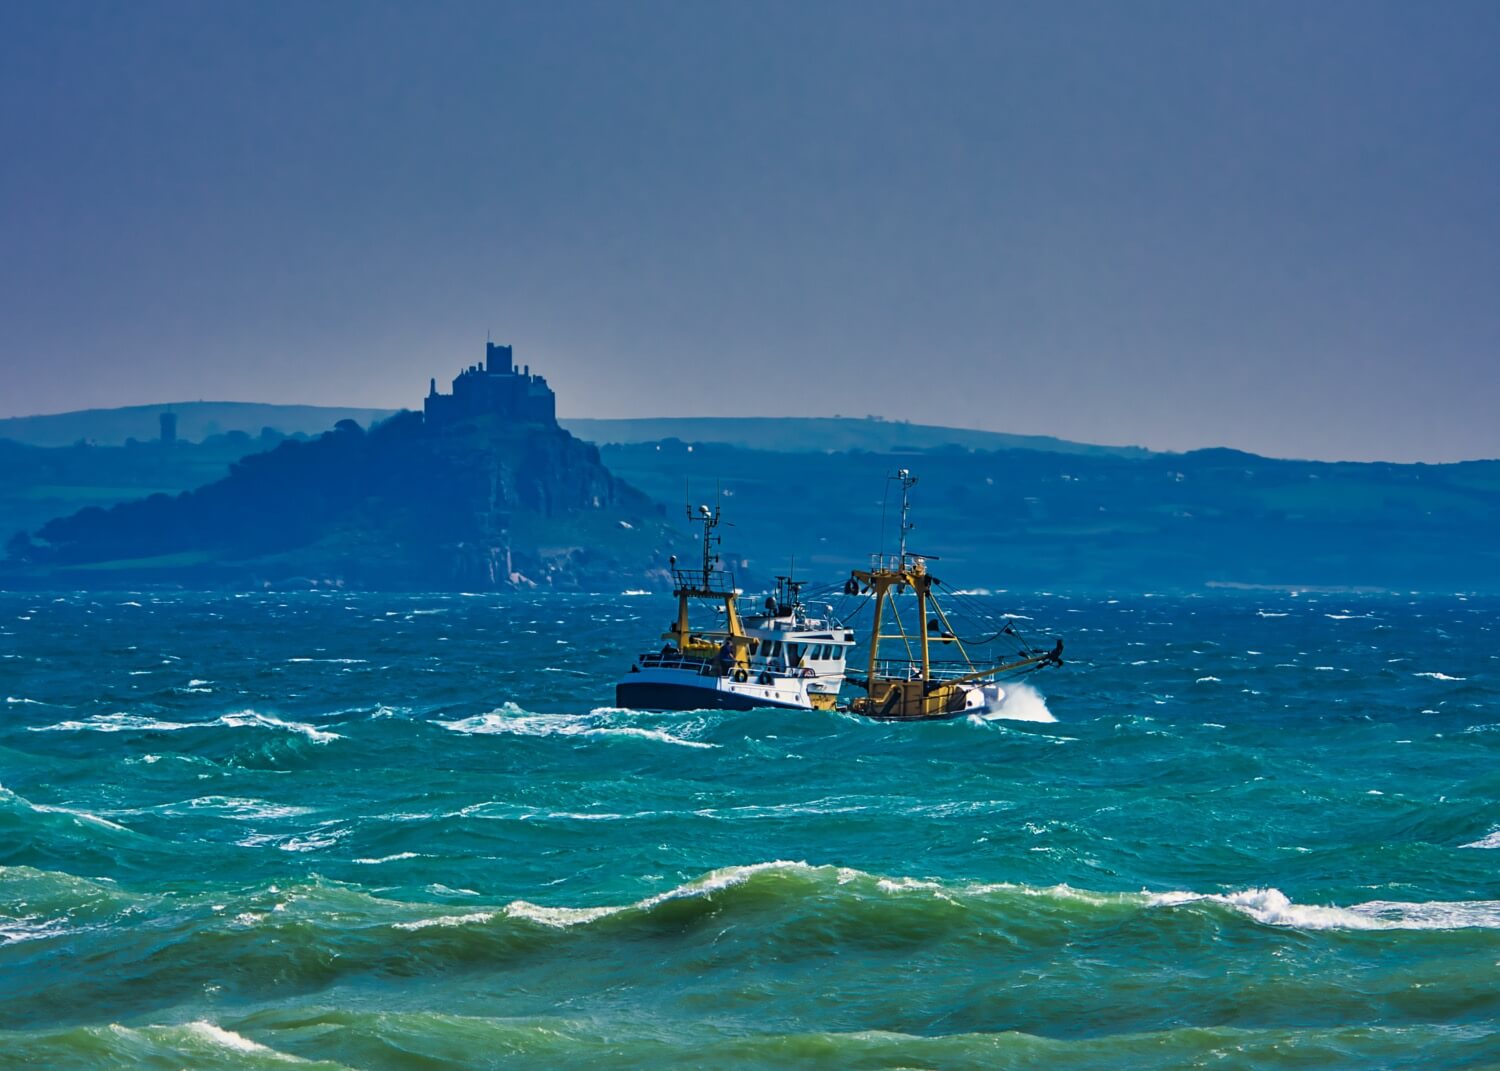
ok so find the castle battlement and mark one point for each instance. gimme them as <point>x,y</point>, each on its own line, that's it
<point>497,388</point>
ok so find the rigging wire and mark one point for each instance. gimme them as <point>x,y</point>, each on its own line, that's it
<point>981,614</point>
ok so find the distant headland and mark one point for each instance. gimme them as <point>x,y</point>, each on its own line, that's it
<point>485,488</point>
<point>482,489</point>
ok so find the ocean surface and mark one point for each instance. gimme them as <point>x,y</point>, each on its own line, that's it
<point>391,832</point>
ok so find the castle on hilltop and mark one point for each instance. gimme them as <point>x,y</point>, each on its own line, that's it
<point>497,388</point>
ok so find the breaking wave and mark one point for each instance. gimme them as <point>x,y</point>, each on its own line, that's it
<point>140,723</point>
<point>604,722</point>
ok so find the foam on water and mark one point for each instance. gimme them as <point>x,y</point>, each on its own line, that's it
<point>1273,908</point>
<point>121,723</point>
<point>114,723</point>
<point>511,719</point>
<point>255,719</point>
<point>6,795</point>
<point>472,918</point>
<point>237,808</point>
<point>227,1039</point>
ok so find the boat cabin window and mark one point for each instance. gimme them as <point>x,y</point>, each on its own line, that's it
<point>793,653</point>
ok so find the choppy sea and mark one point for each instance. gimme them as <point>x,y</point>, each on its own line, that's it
<point>411,832</point>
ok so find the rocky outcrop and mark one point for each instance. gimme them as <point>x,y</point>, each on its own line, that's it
<point>483,504</point>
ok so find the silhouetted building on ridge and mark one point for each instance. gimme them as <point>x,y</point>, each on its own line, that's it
<point>168,428</point>
<point>497,388</point>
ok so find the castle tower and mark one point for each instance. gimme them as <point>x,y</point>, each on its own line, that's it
<point>168,428</point>
<point>498,358</point>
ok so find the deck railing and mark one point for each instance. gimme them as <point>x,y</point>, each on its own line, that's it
<point>910,668</point>
<point>715,581</point>
<point>711,666</point>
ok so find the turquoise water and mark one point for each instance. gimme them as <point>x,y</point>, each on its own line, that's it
<point>380,832</point>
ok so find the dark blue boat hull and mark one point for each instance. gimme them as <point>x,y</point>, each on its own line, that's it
<point>655,695</point>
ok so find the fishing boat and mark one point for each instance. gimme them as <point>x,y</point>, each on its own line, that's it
<point>924,685</point>
<point>779,656</point>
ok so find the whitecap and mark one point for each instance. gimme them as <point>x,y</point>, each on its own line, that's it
<point>113,723</point>
<point>1273,908</point>
<point>1440,676</point>
<point>121,722</point>
<point>256,719</point>
<point>228,1039</point>
<point>84,815</point>
<point>447,920</point>
<point>30,928</point>
<point>510,719</point>
<point>1490,840</point>
<point>240,808</point>
<point>310,841</point>
<point>563,917</point>
<point>905,885</point>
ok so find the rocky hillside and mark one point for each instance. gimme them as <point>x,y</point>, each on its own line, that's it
<point>486,506</point>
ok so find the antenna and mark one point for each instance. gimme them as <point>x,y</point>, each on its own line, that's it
<point>709,518</point>
<point>908,481</point>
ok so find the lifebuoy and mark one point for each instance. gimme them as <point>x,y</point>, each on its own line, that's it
<point>807,671</point>
<point>740,676</point>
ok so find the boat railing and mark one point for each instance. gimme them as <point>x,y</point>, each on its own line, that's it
<point>911,669</point>
<point>712,582</point>
<point>704,664</point>
<point>712,666</point>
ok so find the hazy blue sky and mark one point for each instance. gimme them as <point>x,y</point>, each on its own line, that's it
<point>1274,226</point>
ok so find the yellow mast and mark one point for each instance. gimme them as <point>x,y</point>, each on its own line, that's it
<point>880,589</point>
<point>700,584</point>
